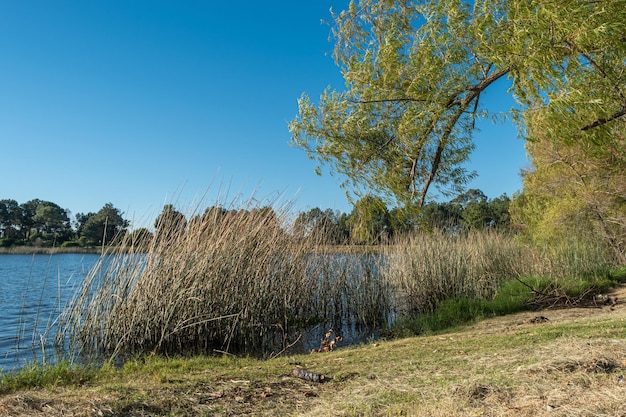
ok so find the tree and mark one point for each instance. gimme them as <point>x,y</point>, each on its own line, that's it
<point>80,220</point>
<point>402,220</point>
<point>170,222</point>
<point>10,218</point>
<point>440,216</point>
<point>52,222</point>
<point>325,226</point>
<point>27,222</point>
<point>369,221</point>
<point>500,212</point>
<point>576,189</point>
<point>476,215</point>
<point>472,195</point>
<point>415,72</point>
<point>139,238</point>
<point>104,227</point>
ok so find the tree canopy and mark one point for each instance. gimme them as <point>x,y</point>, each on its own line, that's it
<point>415,72</point>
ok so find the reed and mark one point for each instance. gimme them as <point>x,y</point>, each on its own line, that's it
<point>427,269</point>
<point>229,280</point>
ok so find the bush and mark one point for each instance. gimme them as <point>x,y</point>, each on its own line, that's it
<point>7,242</point>
<point>71,244</point>
<point>426,269</point>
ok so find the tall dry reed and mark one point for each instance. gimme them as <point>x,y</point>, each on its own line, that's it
<point>229,280</point>
<point>425,269</point>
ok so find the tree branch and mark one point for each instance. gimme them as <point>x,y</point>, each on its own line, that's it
<point>475,91</point>
<point>605,120</point>
<point>390,100</point>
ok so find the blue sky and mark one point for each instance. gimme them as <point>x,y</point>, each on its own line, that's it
<point>147,102</point>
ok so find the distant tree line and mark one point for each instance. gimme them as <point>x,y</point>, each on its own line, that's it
<point>371,222</point>
<point>45,224</point>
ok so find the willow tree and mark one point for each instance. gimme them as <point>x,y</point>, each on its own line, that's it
<point>415,72</point>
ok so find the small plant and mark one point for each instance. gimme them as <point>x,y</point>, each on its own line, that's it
<point>329,342</point>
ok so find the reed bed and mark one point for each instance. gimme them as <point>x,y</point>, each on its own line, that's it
<point>426,269</point>
<point>227,280</point>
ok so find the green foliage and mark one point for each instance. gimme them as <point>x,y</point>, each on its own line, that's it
<point>71,244</point>
<point>415,72</point>
<point>170,219</point>
<point>576,188</point>
<point>326,227</point>
<point>104,227</point>
<point>46,224</point>
<point>426,269</point>
<point>369,221</point>
<point>7,242</point>
<point>513,296</point>
<point>448,280</point>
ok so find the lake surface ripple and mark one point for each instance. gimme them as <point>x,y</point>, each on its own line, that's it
<point>34,289</point>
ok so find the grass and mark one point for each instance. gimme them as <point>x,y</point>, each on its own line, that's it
<point>506,366</point>
<point>46,376</point>
<point>235,281</point>
<point>442,281</point>
<point>513,296</point>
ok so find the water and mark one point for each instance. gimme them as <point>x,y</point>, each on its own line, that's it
<point>34,289</point>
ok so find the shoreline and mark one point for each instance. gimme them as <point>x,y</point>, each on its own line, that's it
<point>32,250</point>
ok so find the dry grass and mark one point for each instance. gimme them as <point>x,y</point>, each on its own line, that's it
<point>508,366</point>
<point>227,280</point>
<point>429,268</point>
<point>426,269</point>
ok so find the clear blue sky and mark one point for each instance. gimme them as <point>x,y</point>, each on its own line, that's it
<point>146,102</point>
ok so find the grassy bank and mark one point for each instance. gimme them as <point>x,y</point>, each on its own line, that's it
<point>567,365</point>
<point>238,281</point>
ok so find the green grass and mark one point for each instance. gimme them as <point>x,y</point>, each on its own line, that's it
<point>44,376</point>
<point>513,296</point>
<point>503,366</point>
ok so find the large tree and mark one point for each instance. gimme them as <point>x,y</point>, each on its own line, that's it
<point>104,227</point>
<point>10,218</point>
<point>369,221</point>
<point>52,222</point>
<point>415,72</point>
<point>576,189</point>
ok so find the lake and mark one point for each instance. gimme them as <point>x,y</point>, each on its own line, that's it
<point>34,289</point>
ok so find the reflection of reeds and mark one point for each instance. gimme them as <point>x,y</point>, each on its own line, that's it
<point>227,280</point>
